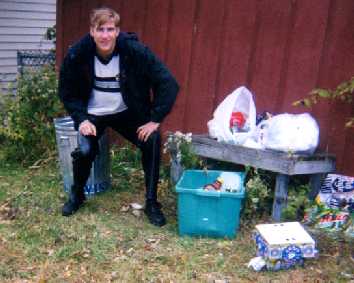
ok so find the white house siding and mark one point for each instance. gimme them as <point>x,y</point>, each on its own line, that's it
<point>23,24</point>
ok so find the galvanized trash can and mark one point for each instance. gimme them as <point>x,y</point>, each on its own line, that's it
<point>67,140</point>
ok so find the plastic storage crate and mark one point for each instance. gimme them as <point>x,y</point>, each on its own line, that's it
<point>207,213</point>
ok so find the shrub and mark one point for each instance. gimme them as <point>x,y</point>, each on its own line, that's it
<point>27,131</point>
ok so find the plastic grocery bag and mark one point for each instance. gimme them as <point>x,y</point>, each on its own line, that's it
<point>291,132</point>
<point>237,108</point>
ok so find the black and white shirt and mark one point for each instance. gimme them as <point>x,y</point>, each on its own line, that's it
<point>106,97</point>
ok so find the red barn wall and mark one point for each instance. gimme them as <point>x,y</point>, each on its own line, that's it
<point>280,50</point>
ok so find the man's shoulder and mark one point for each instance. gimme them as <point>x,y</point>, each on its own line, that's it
<point>82,48</point>
<point>129,42</point>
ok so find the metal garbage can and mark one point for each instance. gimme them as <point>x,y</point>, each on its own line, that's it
<point>67,140</point>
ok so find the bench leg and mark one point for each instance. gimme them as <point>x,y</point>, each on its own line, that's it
<point>176,171</point>
<point>315,184</point>
<point>280,195</point>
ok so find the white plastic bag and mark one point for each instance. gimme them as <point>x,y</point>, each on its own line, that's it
<point>240,100</point>
<point>291,132</point>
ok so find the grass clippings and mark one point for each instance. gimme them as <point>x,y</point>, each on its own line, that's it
<point>103,242</point>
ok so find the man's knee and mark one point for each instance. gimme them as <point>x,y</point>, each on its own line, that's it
<point>154,138</point>
<point>84,151</point>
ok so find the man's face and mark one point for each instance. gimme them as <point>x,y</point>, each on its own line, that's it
<point>105,38</point>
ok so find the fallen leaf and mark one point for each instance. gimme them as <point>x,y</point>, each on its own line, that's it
<point>83,270</point>
<point>124,208</point>
<point>136,206</point>
<point>114,275</point>
<point>136,213</point>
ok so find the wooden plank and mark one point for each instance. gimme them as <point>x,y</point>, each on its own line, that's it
<point>301,64</point>
<point>71,23</point>
<point>8,62</point>
<point>265,159</point>
<point>22,38</point>
<point>202,89</point>
<point>27,15</point>
<point>7,89</point>
<point>59,48</point>
<point>8,69</point>
<point>178,57</point>
<point>133,14</point>
<point>348,166</point>
<point>240,155</point>
<point>114,4</point>
<point>8,77</point>
<point>315,184</point>
<point>45,45</point>
<point>176,169</point>
<point>23,31</point>
<point>235,51</point>
<point>27,7</point>
<point>26,23</point>
<point>156,26</point>
<point>85,10</point>
<point>280,196</point>
<point>313,167</point>
<point>339,67</point>
<point>35,1</point>
<point>270,37</point>
<point>8,54</point>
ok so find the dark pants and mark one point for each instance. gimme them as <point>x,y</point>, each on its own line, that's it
<point>125,124</point>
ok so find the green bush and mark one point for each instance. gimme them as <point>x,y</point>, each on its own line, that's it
<point>259,194</point>
<point>27,131</point>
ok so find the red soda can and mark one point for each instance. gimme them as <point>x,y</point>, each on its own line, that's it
<point>237,120</point>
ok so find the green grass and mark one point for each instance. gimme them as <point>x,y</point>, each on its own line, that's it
<point>102,244</point>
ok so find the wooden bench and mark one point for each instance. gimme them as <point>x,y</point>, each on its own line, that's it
<point>284,164</point>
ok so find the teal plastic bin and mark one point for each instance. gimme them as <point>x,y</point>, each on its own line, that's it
<point>207,213</point>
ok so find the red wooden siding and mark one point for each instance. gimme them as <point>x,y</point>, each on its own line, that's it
<point>279,49</point>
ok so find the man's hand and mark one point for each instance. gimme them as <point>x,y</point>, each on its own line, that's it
<point>86,128</point>
<point>146,130</point>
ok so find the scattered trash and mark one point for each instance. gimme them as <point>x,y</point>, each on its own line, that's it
<point>151,244</point>
<point>234,120</point>
<point>227,182</point>
<point>137,213</point>
<point>216,185</point>
<point>124,208</point>
<point>136,206</point>
<point>238,122</point>
<point>151,240</point>
<point>282,246</point>
<point>232,182</point>
<point>221,281</point>
<point>200,212</point>
<point>334,206</point>
<point>114,275</point>
<point>257,263</point>
<point>7,212</point>
<point>290,132</point>
<point>337,191</point>
<point>136,209</point>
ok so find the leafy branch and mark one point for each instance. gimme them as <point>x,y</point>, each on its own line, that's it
<point>343,92</point>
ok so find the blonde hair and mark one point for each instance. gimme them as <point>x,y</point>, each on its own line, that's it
<point>100,16</point>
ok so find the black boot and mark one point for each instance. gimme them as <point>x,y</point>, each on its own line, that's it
<point>83,157</point>
<point>76,200</point>
<point>154,213</point>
